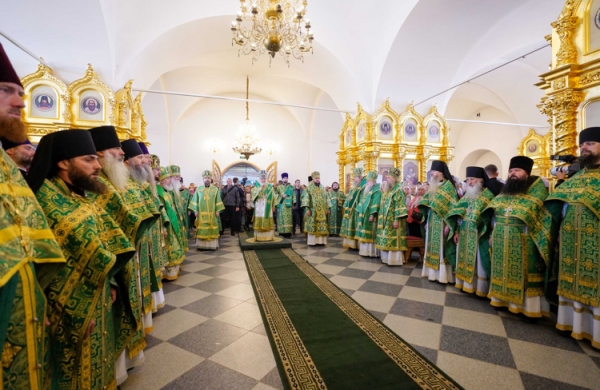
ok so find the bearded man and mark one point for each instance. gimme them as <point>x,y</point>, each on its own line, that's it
<point>391,224</point>
<point>471,233</point>
<point>170,223</point>
<point>368,211</point>
<point>81,299</point>
<point>28,241</point>
<point>285,199</point>
<point>578,207</point>
<point>20,152</point>
<point>316,203</point>
<point>263,196</point>
<point>336,198</point>
<point>181,197</point>
<point>440,252</point>
<point>348,230</point>
<point>206,204</point>
<point>521,242</point>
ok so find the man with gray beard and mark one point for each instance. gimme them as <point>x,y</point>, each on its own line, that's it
<point>471,234</point>
<point>440,252</point>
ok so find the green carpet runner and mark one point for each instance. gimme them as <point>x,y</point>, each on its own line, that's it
<point>322,339</point>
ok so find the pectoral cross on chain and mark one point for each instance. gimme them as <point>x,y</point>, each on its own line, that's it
<point>508,210</point>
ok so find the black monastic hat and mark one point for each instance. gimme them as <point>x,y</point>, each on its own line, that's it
<point>131,148</point>
<point>105,137</point>
<point>590,134</point>
<point>56,147</point>
<point>7,72</point>
<point>522,162</point>
<point>479,173</point>
<point>144,148</point>
<point>440,166</point>
<point>8,144</point>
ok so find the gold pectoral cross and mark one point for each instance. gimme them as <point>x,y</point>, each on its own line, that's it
<point>508,210</point>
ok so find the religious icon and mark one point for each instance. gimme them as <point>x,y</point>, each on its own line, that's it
<point>43,102</point>
<point>410,130</point>
<point>532,147</point>
<point>410,172</point>
<point>385,128</point>
<point>348,137</point>
<point>360,135</point>
<point>91,106</point>
<point>434,131</point>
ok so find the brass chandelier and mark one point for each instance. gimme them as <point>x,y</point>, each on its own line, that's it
<point>246,141</point>
<point>277,26</point>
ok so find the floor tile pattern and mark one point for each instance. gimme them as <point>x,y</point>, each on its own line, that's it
<point>210,334</point>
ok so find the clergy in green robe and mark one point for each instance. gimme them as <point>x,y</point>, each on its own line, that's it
<point>286,197</point>
<point>348,228</point>
<point>181,202</point>
<point>336,199</point>
<point>265,199</point>
<point>522,241</point>
<point>440,249</point>
<point>85,329</point>
<point>207,205</point>
<point>368,212</point>
<point>316,203</point>
<point>471,234</point>
<point>170,223</point>
<point>578,203</point>
<point>391,224</point>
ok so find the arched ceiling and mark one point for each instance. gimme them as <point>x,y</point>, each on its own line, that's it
<point>365,51</point>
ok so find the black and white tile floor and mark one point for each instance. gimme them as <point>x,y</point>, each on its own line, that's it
<point>210,334</point>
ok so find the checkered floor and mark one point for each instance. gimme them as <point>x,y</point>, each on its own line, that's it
<point>210,333</point>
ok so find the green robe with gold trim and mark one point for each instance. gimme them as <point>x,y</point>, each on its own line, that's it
<point>336,199</point>
<point>393,208</point>
<point>366,231</point>
<point>315,199</point>
<point>25,241</point>
<point>170,222</point>
<point>284,207</point>
<point>522,241</point>
<point>96,250</point>
<point>474,236</point>
<point>206,203</point>
<point>265,199</point>
<point>178,203</point>
<point>156,243</point>
<point>578,268</point>
<point>435,212</point>
<point>349,219</point>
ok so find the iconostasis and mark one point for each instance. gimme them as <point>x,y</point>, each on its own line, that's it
<point>387,139</point>
<point>52,105</point>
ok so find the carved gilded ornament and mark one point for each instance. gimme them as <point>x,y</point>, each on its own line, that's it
<point>90,82</point>
<point>565,27</point>
<point>590,78</point>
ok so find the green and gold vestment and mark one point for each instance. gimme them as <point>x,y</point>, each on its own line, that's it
<point>185,201</point>
<point>336,199</point>
<point>284,207</point>
<point>349,219</point>
<point>182,216</point>
<point>263,214</point>
<point>474,232</point>
<point>174,250</point>
<point>435,212</point>
<point>96,250</point>
<point>578,274</point>
<point>315,199</point>
<point>25,241</point>
<point>366,231</point>
<point>206,203</point>
<point>393,208</point>
<point>521,244</point>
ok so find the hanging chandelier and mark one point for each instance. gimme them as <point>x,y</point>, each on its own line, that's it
<point>277,26</point>
<point>246,141</point>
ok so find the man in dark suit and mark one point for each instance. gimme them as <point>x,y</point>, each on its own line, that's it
<point>495,185</point>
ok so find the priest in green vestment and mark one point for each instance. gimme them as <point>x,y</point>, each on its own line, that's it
<point>471,232</point>
<point>348,229</point>
<point>170,223</point>
<point>286,197</point>
<point>180,201</point>
<point>521,241</point>
<point>84,295</point>
<point>27,244</point>
<point>578,204</point>
<point>391,224</point>
<point>316,203</point>
<point>207,205</point>
<point>368,212</point>
<point>264,198</point>
<point>440,249</point>
<point>336,198</point>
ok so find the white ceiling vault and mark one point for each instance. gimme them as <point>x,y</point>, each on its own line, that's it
<point>364,51</point>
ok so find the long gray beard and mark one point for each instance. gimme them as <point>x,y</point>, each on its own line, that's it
<point>116,171</point>
<point>474,192</point>
<point>168,187</point>
<point>385,187</point>
<point>151,180</point>
<point>433,187</point>
<point>138,173</point>
<point>368,187</point>
<point>176,187</point>
<point>355,184</point>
